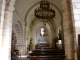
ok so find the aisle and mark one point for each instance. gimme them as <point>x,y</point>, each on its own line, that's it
<point>22,58</point>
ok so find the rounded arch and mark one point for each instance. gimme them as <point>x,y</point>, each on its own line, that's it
<point>17,31</point>
<point>29,18</point>
<point>35,29</point>
<point>17,23</point>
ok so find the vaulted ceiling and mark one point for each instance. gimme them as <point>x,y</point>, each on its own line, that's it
<point>24,9</point>
<point>23,6</point>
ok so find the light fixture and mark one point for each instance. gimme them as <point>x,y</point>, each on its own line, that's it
<point>44,12</point>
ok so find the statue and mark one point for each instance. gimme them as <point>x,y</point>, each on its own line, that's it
<point>55,40</point>
<point>60,35</point>
<point>31,41</point>
<point>14,41</point>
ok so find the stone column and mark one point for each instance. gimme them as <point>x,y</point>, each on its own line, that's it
<point>68,30</point>
<point>2,8</point>
<point>7,32</point>
<point>25,37</point>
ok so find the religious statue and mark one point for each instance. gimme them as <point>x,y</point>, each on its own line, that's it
<point>60,35</point>
<point>14,41</point>
<point>31,41</point>
<point>55,40</point>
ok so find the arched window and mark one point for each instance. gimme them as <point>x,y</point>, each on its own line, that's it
<point>42,31</point>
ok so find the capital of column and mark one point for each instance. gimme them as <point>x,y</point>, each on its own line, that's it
<point>10,1</point>
<point>10,5</point>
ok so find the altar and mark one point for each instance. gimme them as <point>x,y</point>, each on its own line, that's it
<point>43,44</point>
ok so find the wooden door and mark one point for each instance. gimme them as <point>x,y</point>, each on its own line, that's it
<point>79,47</point>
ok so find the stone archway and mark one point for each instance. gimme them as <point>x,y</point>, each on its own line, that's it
<point>28,20</point>
<point>37,33</point>
<point>19,38</point>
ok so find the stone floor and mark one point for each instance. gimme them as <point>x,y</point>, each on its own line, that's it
<point>19,58</point>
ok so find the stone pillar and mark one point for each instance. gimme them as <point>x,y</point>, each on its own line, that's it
<point>7,32</point>
<point>2,8</point>
<point>68,30</point>
<point>25,37</point>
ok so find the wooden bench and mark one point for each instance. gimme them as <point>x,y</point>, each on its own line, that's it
<point>46,57</point>
<point>49,51</point>
<point>47,54</point>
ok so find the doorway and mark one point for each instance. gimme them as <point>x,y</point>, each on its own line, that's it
<point>78,47</point>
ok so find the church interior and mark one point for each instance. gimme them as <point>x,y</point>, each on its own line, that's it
<point>39,29</point>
